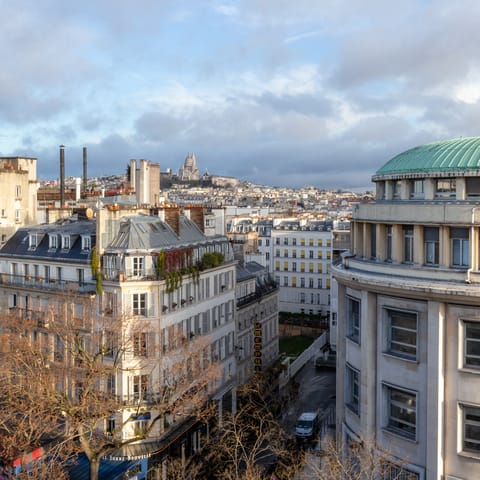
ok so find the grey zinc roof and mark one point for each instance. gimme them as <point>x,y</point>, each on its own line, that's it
<point>141,232</point>
<point>18,244</point>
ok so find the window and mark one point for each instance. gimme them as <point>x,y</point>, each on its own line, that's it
<point>310,242</point>
<point>137,266</point>
<point>401,411</point>
<point>319,254</point>
<point>285,241</point>
<point>294,266</point>
<point>319,283</point>
<point>310,283</point>
<point>310,254</point>
<point>267,256</point>
<point>140,424</point>
<point>66,242</point>
<point>445,187</point>
<point>302,266</point>
<point>140,344</point>
<point>285,266</point>
<point>353,319</point>
<point>18,216</point>
<point>86,242</point>
<point>302,282</point>
<point>459,239</point>
<point>139,304</point>
<point>373,242</point>
<point>402,333</point>
<point>302,297</point>
<point>277,265</point>
<point>110,425</point>
<point>285,281</point>
<point>471,429</point>
<point>302,253</point>
<point>294,281</point>
<point>397,187</point>
<point>408,243</point>
<point>473,186</point>
<point>418,189</point>
<point>472,344</point>
<point>277,241</point>
<point>267,242</point>
<point>53,241</point>
<point>80,276</point>
<point>33,239</point>
<point>18,192</point>
<point>430,238</point>
<point>388,254</point>
<point>285,253</point>
<point>294,241</point>
<point>352,389</point>
<point>140,387</point>
<point>397,472</point>
<point>294,254</point>
<point>277,252</point>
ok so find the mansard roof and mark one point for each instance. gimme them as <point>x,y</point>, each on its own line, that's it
<point>142,232</point>
<point>19,245</point>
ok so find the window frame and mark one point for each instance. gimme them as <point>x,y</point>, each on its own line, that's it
<point>392,340</point>
<point>463,248</point>
<point>466,325</point>
<point>408,244</point>
<point>471,424</point>
<point>352,389</point>
<point>353,319</point>
<point>139,304</point>
<point>409,429</point>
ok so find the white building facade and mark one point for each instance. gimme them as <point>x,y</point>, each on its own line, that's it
<point>408,339</point>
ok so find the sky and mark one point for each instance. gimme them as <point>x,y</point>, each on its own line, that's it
<point>276,92</point>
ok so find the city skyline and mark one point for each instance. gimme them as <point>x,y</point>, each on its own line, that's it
<point>277,93</point>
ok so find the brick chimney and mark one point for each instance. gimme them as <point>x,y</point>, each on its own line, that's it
<point>197,215</point>
<point>172,217</point>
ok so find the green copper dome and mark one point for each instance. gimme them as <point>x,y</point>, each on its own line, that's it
<point>458,154</point>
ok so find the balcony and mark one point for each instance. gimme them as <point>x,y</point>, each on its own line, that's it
<point>40,283</point>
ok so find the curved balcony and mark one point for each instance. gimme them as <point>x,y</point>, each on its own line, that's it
<point>418,280</point>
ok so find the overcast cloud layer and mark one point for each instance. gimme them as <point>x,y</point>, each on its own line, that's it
<point>278,92</point>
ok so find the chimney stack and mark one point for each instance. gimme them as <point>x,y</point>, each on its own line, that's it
<point>85,180</point>
<point>62,176</point>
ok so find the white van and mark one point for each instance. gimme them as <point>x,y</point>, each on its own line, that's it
<point>307,425</point>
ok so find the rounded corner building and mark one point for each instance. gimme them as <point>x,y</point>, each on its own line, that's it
<point>408,338</point>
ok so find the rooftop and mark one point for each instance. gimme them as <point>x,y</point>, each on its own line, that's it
<point>454,156</point>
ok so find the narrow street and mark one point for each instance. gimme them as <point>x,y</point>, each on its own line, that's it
<point>316,392</point>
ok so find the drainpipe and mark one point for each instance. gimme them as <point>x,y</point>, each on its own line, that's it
<point>472,249</point>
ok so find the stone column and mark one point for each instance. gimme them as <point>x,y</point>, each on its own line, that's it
<point>381,242</point>
<point>397,243</point>
<point>418,249</point>
<point>433,406</point>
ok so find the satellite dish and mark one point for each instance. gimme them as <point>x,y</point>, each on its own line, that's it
<point>89,213</point>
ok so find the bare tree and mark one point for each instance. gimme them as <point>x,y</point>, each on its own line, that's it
<point>251,442</point>
<point>61,374</point>
<point>362,460</point>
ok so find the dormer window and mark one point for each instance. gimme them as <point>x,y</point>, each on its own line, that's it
<point>66,242</point>
<point>86,242</point>
<point>53,241</point>
<point>33,240</point>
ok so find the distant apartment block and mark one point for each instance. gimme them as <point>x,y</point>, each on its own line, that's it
<point>18,194</point>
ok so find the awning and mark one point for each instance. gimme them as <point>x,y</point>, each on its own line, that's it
<point>138,451</point>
